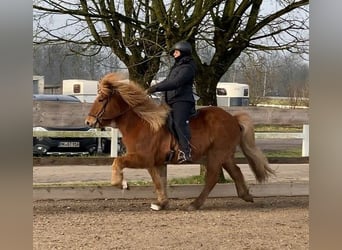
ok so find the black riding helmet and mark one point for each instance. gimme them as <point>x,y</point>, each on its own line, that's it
<point>183,46</point>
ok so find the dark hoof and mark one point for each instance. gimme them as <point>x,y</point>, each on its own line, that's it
<point>192,207</point>
<point>248,198</point>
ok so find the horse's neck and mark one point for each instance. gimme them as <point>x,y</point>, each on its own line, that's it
<point>127,122</point>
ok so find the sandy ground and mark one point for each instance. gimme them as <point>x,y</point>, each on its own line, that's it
<point>225,223</point>
<point>222,223</point>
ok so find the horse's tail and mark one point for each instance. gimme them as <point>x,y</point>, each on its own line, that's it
<point>256,159</point>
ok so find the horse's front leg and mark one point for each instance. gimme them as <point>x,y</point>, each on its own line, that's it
<point>117,175</point>
<point>126,161</point>
<point>160,187</point>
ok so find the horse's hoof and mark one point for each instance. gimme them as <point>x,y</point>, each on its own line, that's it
<point>159,205</point>
<point>124,185</point>
<point>121,185</point>
<point>156,207</point>
<point>192,207</point>
<point>248,198</point>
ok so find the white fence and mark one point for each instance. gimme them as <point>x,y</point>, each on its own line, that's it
<point>114,134</point>
<point>304,135</point>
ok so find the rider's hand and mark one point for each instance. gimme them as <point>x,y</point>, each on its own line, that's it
<point>151,90</point>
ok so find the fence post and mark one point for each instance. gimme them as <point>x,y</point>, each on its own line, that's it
<point>305,143</point>
<point>114,143</point>
<point>99,142</point>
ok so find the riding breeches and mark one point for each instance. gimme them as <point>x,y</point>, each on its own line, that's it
<point>181,112</point>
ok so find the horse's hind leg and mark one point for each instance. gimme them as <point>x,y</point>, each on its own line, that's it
<point>211,178</point>
<point>240,184</point>
<point>160,187</point>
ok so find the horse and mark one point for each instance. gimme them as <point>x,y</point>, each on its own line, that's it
<point>215,135</point>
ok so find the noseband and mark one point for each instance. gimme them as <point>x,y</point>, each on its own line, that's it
<point>99,116</point>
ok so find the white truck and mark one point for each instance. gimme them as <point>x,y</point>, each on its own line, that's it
<point>84,90</point>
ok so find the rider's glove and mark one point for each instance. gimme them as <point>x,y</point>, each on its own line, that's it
<point>151,90</point>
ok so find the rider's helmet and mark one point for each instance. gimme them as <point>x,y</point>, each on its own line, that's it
<point>183,46</point>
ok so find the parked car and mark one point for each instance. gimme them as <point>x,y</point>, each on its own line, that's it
<point>64,146</point>
<point>106,144</point>
<point>59,98</point>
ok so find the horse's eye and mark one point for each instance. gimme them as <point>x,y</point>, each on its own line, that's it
<point>101,98</point>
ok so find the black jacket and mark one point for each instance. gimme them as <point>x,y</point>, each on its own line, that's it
<point>178,84</point>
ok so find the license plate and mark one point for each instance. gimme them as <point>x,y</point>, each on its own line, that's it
<point>69,144</point>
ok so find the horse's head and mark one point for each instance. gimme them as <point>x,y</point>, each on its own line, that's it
<point>108,104</point>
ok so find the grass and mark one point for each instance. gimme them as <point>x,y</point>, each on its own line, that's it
<point>286,101</point>
<point>196,179</point>
<point>278,128</point>
<point>290,152</point>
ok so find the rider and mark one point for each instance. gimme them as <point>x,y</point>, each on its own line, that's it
<point>177,88</point>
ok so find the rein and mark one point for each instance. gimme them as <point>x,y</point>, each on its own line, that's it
<point>98,117</point>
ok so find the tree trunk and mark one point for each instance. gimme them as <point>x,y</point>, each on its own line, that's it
<point>206,81</point>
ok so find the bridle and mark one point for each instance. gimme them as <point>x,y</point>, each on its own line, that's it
<point>99,116</point>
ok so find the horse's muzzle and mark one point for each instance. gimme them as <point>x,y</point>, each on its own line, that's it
<point>90,122</point>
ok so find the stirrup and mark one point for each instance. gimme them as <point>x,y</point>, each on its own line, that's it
<point>182,158</point>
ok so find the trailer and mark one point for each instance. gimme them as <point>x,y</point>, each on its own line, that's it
<point>38,84</point>
<point>232,94</point>
<point>84,90</point>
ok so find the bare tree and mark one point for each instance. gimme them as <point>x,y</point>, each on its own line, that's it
<point>139,32</point>
<point>292,74</point>
<point>253,73</point>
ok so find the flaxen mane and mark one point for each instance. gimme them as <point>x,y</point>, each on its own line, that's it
<point>136,97</point>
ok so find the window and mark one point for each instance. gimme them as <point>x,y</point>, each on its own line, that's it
<point>77,88</point>
<point>221,91</point>
<point>245,92</point>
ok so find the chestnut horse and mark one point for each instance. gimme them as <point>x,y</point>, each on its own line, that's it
<point>215,134</point>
